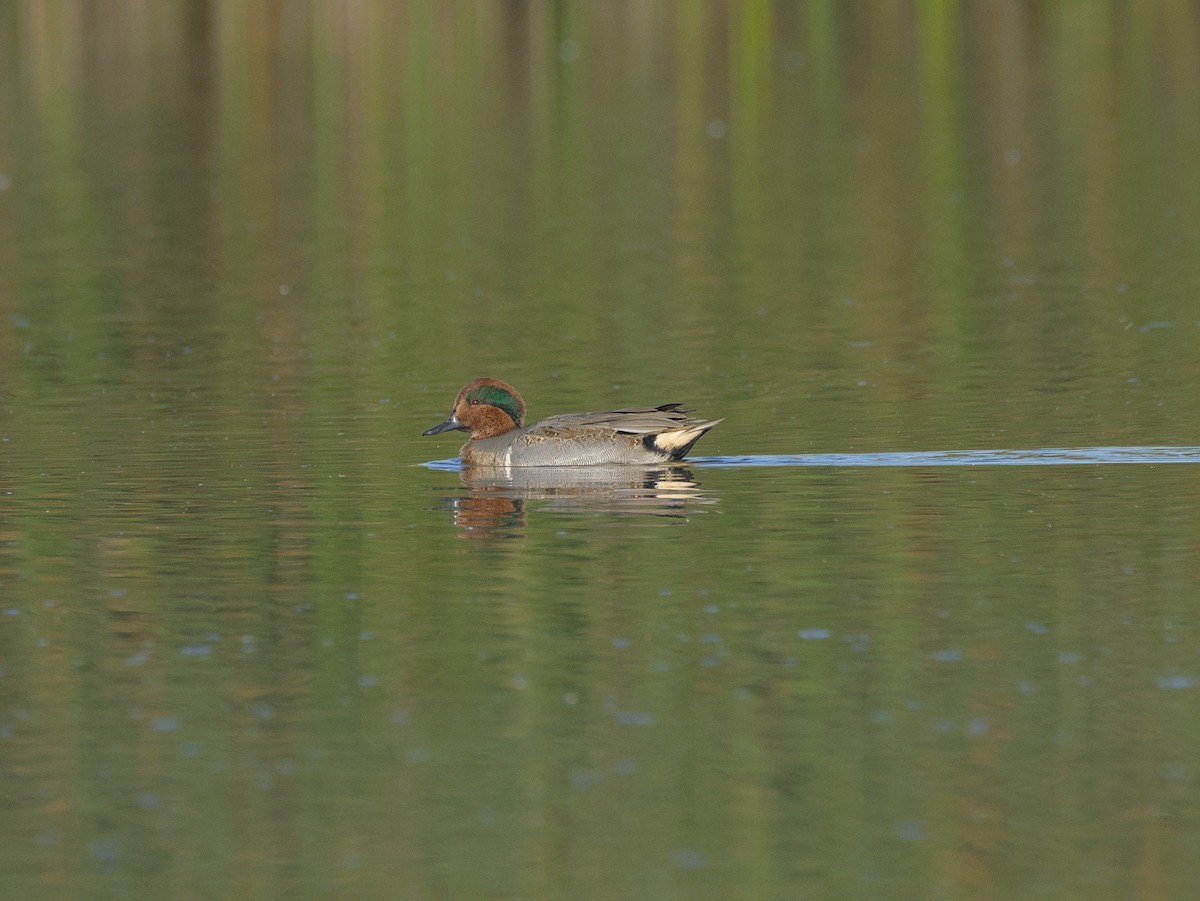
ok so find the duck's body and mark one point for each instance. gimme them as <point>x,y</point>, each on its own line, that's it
<point>493,412</point>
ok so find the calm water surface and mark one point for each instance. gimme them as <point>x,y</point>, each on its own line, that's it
<point>919,621</point>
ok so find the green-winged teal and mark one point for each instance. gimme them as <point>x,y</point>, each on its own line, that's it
<point>493,412</point>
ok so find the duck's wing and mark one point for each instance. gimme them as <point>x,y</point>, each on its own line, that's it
<point>645,421</point>
<point>655,434</point>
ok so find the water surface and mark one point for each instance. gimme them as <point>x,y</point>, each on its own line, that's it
<point>917,621</point>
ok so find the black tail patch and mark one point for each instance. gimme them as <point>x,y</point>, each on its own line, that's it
<point>650,442</point>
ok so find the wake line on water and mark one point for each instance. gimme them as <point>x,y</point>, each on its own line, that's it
<point>1045,456</point>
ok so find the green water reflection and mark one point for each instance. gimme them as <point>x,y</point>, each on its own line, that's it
<point>250,647</point>
<point>846,681</point>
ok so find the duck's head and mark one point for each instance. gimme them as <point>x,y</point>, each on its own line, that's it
<point>485,408</point>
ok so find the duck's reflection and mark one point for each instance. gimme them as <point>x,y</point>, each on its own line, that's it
<point>496,504</point>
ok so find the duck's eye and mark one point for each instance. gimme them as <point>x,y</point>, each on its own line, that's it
<point>474,402</point>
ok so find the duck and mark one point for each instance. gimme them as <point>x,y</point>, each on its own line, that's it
<point>493,412</point>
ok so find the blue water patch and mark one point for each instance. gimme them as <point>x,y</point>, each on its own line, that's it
<point>1177,683</point>
<point>690,859</point>
<point>910,831</point>
<point>635,718</point>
